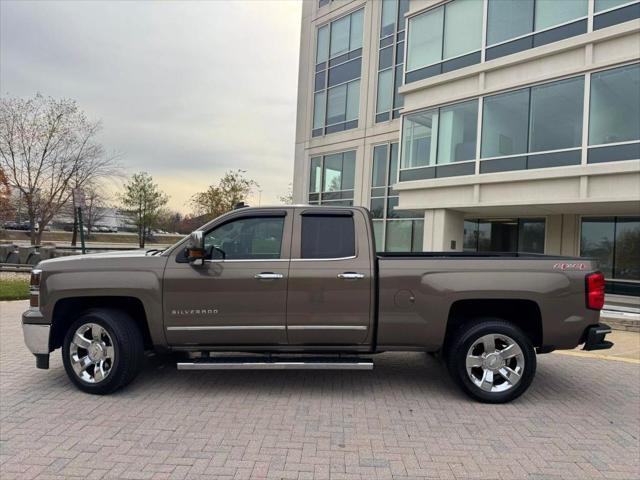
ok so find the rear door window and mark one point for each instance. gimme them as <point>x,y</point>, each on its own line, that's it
<point>328,236</point>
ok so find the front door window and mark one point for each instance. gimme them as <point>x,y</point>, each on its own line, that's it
<point>256,238</point>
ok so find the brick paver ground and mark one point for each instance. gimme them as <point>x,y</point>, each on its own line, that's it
<point>580,419</point>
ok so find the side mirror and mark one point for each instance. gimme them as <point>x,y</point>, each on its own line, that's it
<point>195,248</point>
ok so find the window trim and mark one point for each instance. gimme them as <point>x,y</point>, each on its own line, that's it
<point>325,259</point>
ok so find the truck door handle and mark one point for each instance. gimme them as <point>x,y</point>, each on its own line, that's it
<point>350,276</point>
<point>268,276</point>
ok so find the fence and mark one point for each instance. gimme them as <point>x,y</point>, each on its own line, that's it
<point>18,258</point>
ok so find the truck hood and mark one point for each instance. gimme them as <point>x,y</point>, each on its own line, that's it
<point>117,259</point>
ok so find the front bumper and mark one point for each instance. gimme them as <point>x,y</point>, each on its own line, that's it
<point>594,337</point>
<point>36,336</point>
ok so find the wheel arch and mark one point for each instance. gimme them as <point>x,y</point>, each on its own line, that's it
<point>67,310</point>
<point>523,313</point>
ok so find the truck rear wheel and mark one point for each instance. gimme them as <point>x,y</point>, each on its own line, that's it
<point>103,351</point>
<point>492,360</point>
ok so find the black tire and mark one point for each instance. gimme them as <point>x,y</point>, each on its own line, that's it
<point>465,338</point>
<point>128,347</point>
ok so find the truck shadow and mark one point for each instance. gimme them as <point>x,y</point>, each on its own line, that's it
<point>398,375</point>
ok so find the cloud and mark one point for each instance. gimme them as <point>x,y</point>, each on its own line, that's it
<point>185,90</point>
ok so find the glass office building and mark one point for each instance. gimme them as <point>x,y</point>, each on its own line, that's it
<point>477,125</point>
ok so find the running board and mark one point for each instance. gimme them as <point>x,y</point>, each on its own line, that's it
<point>266,363</point>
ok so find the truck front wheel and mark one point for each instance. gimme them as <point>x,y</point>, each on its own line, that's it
<point>103,351</point>
<point>492,360</point>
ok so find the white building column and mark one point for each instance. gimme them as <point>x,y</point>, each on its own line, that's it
<point>553,235</point>
<point>562,234</point>
<point>570,235</point>
<point>443,230</point>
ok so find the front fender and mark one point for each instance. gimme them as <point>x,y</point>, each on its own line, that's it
<point>145,286</point>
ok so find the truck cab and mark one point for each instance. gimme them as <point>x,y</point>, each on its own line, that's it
<point>288,277</point>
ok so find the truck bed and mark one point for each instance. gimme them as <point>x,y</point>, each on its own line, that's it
<point>418,293</point>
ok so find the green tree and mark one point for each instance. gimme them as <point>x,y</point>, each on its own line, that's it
<point>144,201</point>
<point>233,188</point>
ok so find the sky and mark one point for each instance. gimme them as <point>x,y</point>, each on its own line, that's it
<point>184,90</point>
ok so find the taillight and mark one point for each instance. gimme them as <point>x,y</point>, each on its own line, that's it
<point>595,291</point>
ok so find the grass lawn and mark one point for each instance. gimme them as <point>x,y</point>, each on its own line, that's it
<point>14,289</point>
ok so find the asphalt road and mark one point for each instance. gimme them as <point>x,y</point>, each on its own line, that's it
<point>403,420</point>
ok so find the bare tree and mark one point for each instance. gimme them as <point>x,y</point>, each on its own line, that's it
<point>287,199</point>
<point>47,147</point>
<point>95,207</point>
<point>169,220</point>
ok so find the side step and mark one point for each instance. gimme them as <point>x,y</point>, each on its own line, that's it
<point>269,363</point>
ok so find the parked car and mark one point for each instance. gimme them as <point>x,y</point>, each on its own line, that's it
<point>296,280</point>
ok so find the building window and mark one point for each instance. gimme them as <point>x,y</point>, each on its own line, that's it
<point>331,179</point>
<point>505,235</point>
<point>614,115</point>
<point>508,19</point>
<point>609,4</point>
<point>395,230</point>
<point>615,243</point>
<point>529,128</point>
<point>612,12</point>
<point>337,79</point>
<point>444,39</point>
<point>449,37</point>
<point>543,118</point>
<point>391,59</point>
<point>517,25</point>
<point>440,136</point>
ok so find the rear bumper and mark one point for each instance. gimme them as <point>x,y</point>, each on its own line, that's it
<point>594,337</point>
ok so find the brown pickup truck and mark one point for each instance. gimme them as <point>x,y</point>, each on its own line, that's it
<point>303,287</point>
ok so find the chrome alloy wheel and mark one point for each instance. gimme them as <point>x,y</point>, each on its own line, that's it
<point>91,353</point>
<point>495,363</point>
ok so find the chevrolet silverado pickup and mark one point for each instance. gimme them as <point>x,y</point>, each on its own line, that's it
<point>303,287</point>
